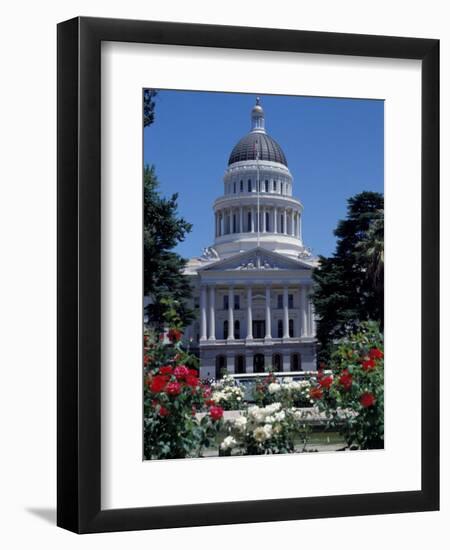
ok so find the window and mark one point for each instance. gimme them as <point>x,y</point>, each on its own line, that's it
<point>234,223</point>
<point>291,328</point>
<point>242,185</point>
<point>225,301</point>
<point>266,186</point>
<point>280,329</point>
<point>276,362</point>
<point>282,224</point>
<point>234,187</point>
<point>249,186</point>
<point>237,330</point>
<point>290,301</point>
<point>295,362</point>
<point>225,330</point>
<point>267,221</point>
<point>240,364</point>
<point>274,186</point>
<point>249,221</point>
<point>237,301</point>
<point>280,301</point>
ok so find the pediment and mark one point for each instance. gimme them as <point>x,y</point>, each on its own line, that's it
<point>257,259</point>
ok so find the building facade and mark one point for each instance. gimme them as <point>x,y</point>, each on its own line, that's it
<point>252,286</point>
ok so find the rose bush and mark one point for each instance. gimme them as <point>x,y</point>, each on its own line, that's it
<point>288,392</point>
<point>264,430</point>
<point>353,395</point>
<point>227,393</point>
<point>173,394</point>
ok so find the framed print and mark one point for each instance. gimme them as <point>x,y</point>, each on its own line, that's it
<point>248,307</point>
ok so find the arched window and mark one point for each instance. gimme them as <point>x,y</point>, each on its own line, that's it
<point>267,221</point>
<point>280,328</point>
<point>295,362</point>
<point>221,366</point>
<point>239,365</point>
<point>237,330</point>
<point>291,328</point>
<point>249,221</point>
<point>225,330</point>
<point>276,362</point>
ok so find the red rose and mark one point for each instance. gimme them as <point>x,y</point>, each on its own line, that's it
<point>181,371</point>
<point>174,334</point>
<point>192,381</point>
<point>215,412</point>
<point>345,380</point>
<point>316,393</point>
<point>375,353</point>
<point>210,402</point>
<point>207,392</point>
<point>326,382</point>
<point>367,400</point>
<point>158,383</point>
<point>163,411</point>
<point>193,372</point>
<point>166,369</point>
<point>174,388</point>
<point>368,364</point>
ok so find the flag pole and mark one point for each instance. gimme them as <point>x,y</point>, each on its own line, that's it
<point>257,190</point>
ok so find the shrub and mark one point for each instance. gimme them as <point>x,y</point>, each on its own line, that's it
<point>227,393</point>
<point>353,395</point>
<point>288,392</point>
<point>173,394</point>
<point>264,430</point>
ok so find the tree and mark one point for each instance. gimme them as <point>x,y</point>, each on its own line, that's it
<point>149,106</point>
<point>348,286</point>
<point>164,281</point>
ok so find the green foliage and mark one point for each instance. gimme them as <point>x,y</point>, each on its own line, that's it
<point>164,281</point>
<point>149,106</point>
<point>348,286</point>
<point>353,395</point>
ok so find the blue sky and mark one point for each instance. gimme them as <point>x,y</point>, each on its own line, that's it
<point>334,149</point>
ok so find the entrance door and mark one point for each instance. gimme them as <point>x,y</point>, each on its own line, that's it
<point>258,362</point>
<point>259,329</point>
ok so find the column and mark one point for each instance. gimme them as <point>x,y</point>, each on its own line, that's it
<point>249,314</point>
<point>285,313</point>
<point>299,228</point>
<point>309,311</point>
<point>212,313</point>
<point>275,216</point>
<point>292,224</point>
<point>230,220</point>
<point>203,335</point>
<point>313,320</point>
<point>252,211</point>
<point>268,314</point>
<point>303,316</point>
<point>230,313</point>
<point>241,220</point>
<point>264,228</point>
<point>285,221</point>
<point>222,223</point>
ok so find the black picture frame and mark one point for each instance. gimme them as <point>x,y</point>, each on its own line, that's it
<point>79,277</point>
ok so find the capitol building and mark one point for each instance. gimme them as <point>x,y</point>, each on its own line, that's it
<point>251,287</point>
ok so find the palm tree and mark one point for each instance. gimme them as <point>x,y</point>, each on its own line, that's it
<point>370,251</point>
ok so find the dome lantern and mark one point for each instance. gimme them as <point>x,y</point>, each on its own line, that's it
<point>258,117</point>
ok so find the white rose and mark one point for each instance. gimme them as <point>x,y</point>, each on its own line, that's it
<point>268,429</point>
<point>260,434</point>
<point>274,388</point>
<point>280,416</point>
<point>228,443</point>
